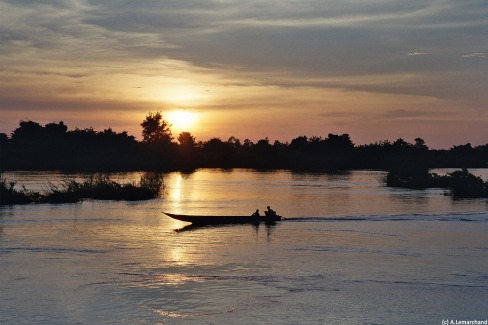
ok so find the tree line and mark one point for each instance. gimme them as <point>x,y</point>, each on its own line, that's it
<point>53,146</point>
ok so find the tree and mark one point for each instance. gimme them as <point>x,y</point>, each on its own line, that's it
<point>3,139</point>
<point>155,129</point>
<point>27,132</point>
<point>217,152</point>
<point>236,143</point>
<point>56,129</point>
<point>186,140</point>
<point>420,144</point>
<point>262,146</point>
<point>248,144</point>
<point>299,144</point>
<point>400,143</point>
<point>337,144</point>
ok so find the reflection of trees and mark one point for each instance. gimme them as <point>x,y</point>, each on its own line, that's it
<point>53,146</point>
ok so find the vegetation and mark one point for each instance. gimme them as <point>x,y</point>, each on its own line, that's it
<point>9,195</point>
<point>156,130</point>
<point>97,186</point>
<point>465,185</point>
<point>54,147</point>
<point>410,175</point>
<point>460,183</point>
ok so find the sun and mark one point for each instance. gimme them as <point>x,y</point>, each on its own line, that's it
<point>181,120</point>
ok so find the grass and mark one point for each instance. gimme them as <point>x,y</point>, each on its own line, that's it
<point>97,187</point>
<point>9,195</point>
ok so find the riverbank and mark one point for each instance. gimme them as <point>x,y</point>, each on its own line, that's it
<point>96,186</point>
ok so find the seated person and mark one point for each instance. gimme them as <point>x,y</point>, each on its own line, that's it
<point>270,212</point>
<point>256,214</point>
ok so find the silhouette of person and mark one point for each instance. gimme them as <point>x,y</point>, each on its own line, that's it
<point>256,214</point>
<point>270,212</point>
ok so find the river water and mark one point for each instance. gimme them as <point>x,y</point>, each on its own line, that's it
<point>351,251</point>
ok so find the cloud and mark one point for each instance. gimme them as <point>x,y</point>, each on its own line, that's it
<point>69,54</point>
<point>475,55</point>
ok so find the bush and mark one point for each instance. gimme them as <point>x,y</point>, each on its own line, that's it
<point>98,187</point>
<point>466,185</point>
<point>101,187</point>
<point>461,183</point>
<point>409,175</point>
<point>9,195</point>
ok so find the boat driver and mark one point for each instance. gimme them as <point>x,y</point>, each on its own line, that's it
<point>270,212</point>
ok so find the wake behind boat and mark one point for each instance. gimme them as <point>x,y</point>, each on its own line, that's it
<point>222,220</point>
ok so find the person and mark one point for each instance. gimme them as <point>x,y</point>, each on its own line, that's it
<point>270,212</point>
<point>256,214</point>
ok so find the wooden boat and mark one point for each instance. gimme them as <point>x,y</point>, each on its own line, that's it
<point>222,220</point>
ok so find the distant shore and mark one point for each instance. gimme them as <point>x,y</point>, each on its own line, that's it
<point>33,146</point>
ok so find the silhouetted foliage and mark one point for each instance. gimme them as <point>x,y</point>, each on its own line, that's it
<point>97,186</point>
<point>409,175</point>
<point>54,147</point>
<point>156,130</point>
<point>4,150</point>
<point>101,187</point>
<point>461,183</point>
<point>3,139</point>
<point>420,144</point>
<point>217,153</point>
<point>9,195</point>
<point>465,185</point>
<point>187,152</point>
<point>186,140</point>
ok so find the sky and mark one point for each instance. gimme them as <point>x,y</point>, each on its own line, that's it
<point>375,69</point>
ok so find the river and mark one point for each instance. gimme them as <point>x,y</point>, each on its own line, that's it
<point>350,251</point>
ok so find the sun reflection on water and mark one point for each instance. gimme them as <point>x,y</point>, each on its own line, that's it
<point>172,279</point>
<point>176,188</point>
<point>178,254</point>
<point>175,193</point>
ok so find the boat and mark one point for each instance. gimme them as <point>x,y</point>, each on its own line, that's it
<point>222,220</point>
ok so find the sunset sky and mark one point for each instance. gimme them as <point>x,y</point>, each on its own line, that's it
<point>376,69</point>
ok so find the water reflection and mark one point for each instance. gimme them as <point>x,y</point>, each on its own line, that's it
<point>331,176</point>
<point>179,255</point>
<point>269,226</point>
<point>176,189</point>
<point>122,263</point>
<point>5,211</point>
<point>292,194</point>
<point>180,191</point>
<point>192,227</point>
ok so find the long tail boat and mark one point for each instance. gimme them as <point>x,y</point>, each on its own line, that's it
<point>222,220</point>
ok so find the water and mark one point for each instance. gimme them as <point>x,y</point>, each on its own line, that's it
<point>350,252</point>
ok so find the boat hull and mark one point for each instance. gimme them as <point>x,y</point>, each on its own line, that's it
<point>222,220</point>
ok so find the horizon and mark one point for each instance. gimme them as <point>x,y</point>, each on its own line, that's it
<point>376,70</point>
